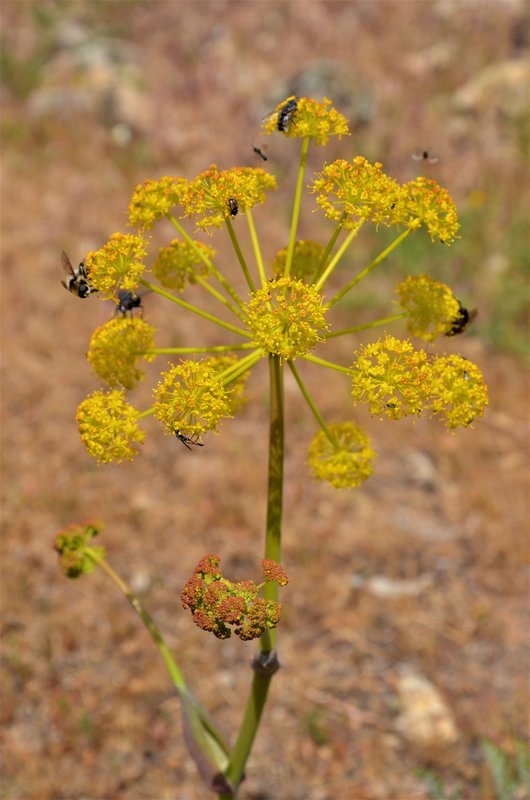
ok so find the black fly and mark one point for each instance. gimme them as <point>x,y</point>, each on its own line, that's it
<point>260,153</point>
<point>127,301</point>
<point>424,155</point>
<point>233,206</point>
<point>462,320</point>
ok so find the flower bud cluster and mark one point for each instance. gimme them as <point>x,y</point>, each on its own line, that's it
<point>71,544</point>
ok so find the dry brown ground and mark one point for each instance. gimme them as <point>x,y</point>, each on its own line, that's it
<point>87,707</point>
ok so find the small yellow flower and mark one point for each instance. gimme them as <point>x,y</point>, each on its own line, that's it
<point>285,317</point>
<point>458,390</point>
<point>191,398</point>
<point>424,202</point>
<point>346,464</point>
<point>306,258</point>
<point>109,426</point>
<point>153,199</point>
<point>392,377</point>
<point>117,265</point>
<point>215,196</point>
<point>115,349</point>
<point>358,189</point>
<point>303,116</point>
<point>179,264</point>
<point>430,305</point>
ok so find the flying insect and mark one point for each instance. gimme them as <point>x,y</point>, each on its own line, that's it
<point>260,153</point>
<point>425,155</point>
<point>77,281</point>
<point>463,319</point>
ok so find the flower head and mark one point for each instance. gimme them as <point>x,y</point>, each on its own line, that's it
<point>218,605</point>
<point>117,265</point>
<point>215,196</point>
<point>153,199</point>
<point>458,390</point>
<point>306,258</point>
<point>304,117</point>
<point>286,316</point>
<point>180,263</point>
<point>345,463</point>
<point>392,378</point>
<point>71,544</point>
<point>109,426</point>
<point>424,202</point>
<point>117,346</point>
<point>430,305</point>
<point>191,398</point>
<point>358,189</point>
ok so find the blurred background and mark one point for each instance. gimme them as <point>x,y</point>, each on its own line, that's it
<point>404,642</point>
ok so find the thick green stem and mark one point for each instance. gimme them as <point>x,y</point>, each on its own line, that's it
<point>296,206</point>
<point>369,268</point>
<point>262,679</point>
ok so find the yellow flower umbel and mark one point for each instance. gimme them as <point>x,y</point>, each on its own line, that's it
<point>306,258</point>
<point>115,349</point>
<point>345,463</point>
<point>191,398</point>
<point>117,265</point>
<point>215,196</point>
<point>358,189</point>
<point>153,199</point>
<point>424,202</point>
<point>430,305</point>
<point>392,377</point>
<point>304,117</point>
<point>180,263</point>
<point>458,390</point>
<point>109,426</point>
<point>286,317</point>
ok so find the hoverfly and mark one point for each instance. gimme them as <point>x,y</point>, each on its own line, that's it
<point>77,281</point>
<point>233,206</point>
<point>127,301</point>
<point>260,153</point>
<point>425,155</point>
<point>186,440</point>
<point>463,319</point>
<point>285,115</point>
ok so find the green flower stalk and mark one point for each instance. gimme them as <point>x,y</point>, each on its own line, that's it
<point>278,315</point>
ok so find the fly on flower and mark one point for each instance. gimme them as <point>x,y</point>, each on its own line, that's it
<point>126,302</point>
<point>424,155</point>
<point>463,320</point>
<point>77,281</point>
<point>285,114</point>
<point>186,440</point>
<point>233,205</point>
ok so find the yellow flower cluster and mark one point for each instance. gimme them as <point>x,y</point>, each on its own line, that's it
<point>286,316</point>
<point>117,265</point>
<point>458,390</point>
<point>424,202</point>
<point>108,426</point>
<point>358,189</point>
<point>430,305</point>
<point>394,379</point>
<point>180,263</point>
<point>115,349</point>
<point>214,196</point>
<point>345,464</point>
<point>306,258</point>
<point>153,199</point>
<point>191,398</point>
<point>304,117</point>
